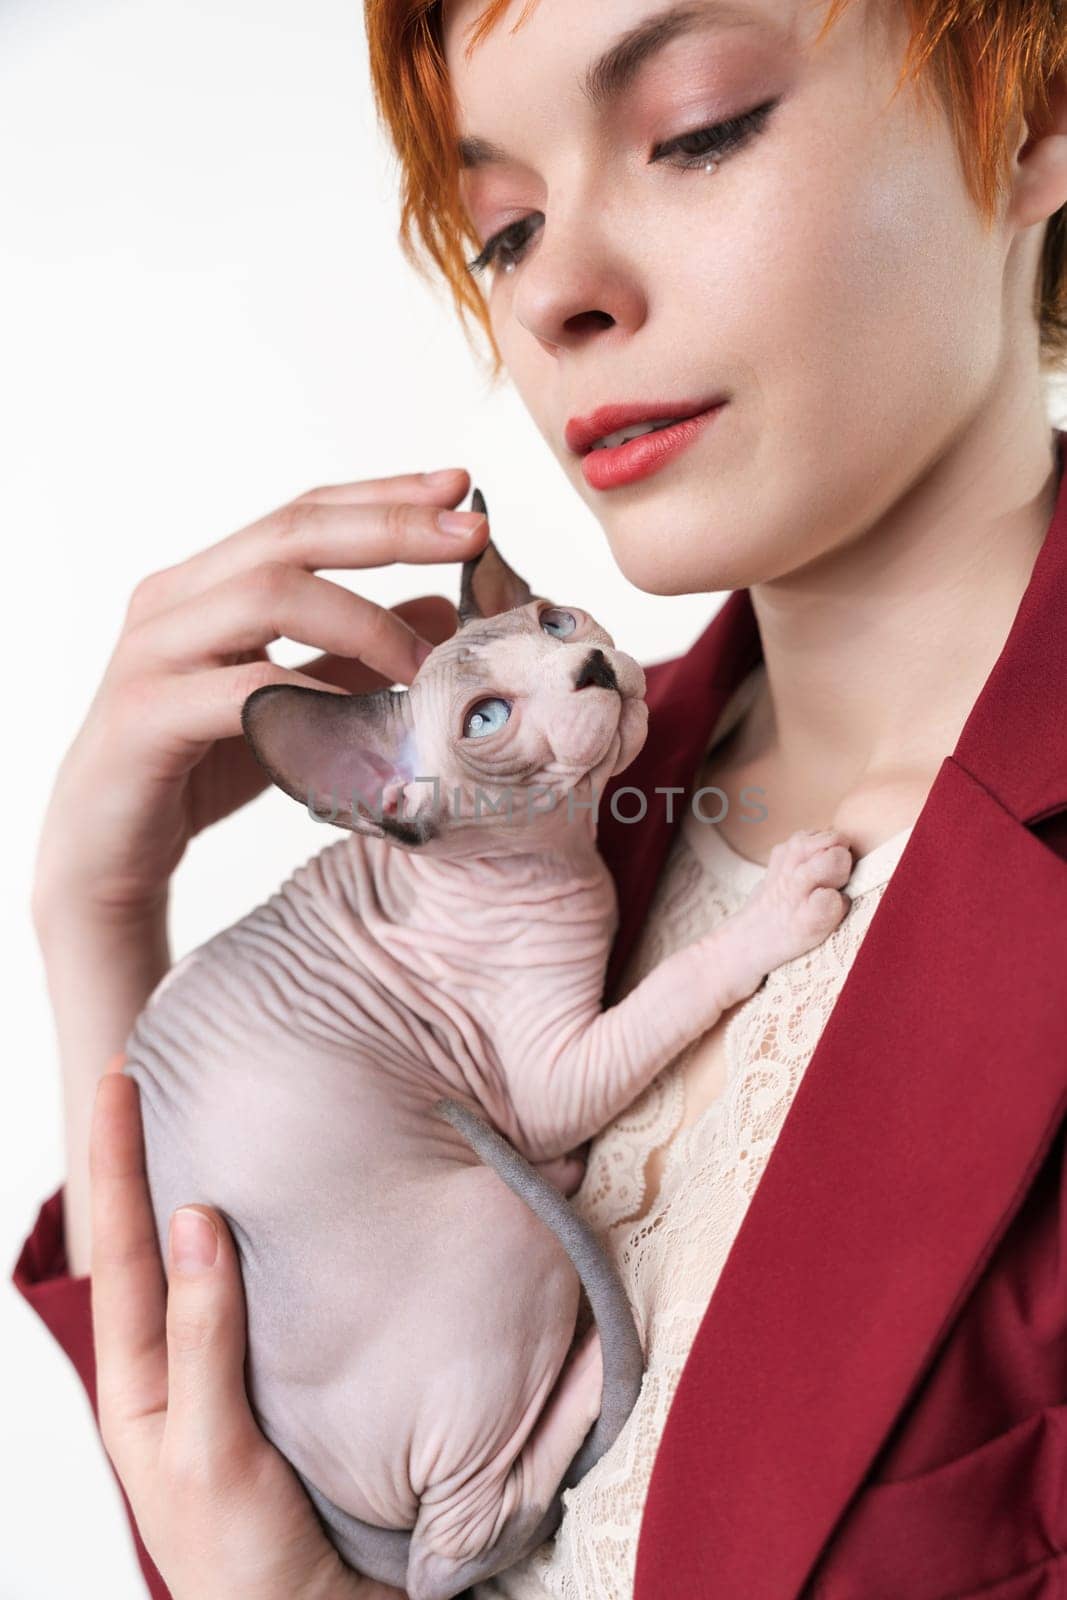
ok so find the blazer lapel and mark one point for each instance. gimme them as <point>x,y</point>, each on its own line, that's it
<point>934,1092</point>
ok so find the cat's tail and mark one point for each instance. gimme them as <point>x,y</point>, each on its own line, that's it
<point>620,1343</point>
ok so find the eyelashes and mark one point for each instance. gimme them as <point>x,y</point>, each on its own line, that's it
<point>719,140</point>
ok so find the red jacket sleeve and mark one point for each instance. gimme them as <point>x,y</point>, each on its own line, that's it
<point>42,1277</point>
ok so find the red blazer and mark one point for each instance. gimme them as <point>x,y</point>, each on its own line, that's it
<point>875,1405</point>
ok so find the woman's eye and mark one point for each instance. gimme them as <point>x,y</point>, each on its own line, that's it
<point>507,248</point>
<point>498,252</point>
<point>487,716</point>
<point>719,140</point>
<point>558,623</point>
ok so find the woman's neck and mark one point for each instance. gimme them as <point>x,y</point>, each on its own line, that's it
<point>876,652</point>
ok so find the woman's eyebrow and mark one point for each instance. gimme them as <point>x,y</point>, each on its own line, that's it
<point>611,74</point>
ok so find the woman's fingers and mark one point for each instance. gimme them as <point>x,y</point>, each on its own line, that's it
<point>212,615</point>
<point>269,602</point>
<point>185,713</point>
<point>452,482</point>
<point>382,521</point>
<point>169,1354</point>
<point>128,1286</point>
<point>431,616</point>
<point>208,1416</point>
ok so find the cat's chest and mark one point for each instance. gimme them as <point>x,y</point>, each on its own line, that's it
<point>358,949</point>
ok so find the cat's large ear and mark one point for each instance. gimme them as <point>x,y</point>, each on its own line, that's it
<point>488,585</point>
<point>348,757</point>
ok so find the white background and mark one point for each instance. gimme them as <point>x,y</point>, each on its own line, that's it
<point>203,312</point>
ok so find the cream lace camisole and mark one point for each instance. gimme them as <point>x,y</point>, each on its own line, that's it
<point>670,1253</point>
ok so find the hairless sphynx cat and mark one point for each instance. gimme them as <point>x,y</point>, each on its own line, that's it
<point>382,1074</point>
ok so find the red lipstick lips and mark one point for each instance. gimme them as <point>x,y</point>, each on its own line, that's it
<point>639,457</point>
<point>582,433</point>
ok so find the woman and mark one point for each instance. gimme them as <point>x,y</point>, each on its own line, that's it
<point>729,206</point>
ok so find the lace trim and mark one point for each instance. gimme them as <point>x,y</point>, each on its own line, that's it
<point>670,1259</point>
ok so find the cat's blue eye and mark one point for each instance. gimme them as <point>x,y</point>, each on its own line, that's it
<point>558,623</point>
<point>487,716</point>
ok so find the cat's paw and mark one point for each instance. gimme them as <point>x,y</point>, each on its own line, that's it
<point>798,901</point>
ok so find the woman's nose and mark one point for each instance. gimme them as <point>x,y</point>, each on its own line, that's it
<point>576,282</point>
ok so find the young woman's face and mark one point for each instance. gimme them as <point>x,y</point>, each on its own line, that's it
<point>832,278</point>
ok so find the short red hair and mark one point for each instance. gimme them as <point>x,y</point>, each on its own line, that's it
<point>989,60</point>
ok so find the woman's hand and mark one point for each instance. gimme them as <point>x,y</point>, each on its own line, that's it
<point>160,754</point>
<point>220,1511</point>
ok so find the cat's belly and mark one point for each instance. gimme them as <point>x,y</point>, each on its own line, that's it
<point>407,1314</point>
<point>413,1355</point>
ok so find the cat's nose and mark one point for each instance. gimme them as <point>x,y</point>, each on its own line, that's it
<point>596,671</point>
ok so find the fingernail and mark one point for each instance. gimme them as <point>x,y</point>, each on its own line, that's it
<point>441,476</point>
<point>423,648</point>
<point>459,521</point>
<point>194,1242</point>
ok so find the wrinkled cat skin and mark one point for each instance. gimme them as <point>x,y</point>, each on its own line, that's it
<point>378,1075</point>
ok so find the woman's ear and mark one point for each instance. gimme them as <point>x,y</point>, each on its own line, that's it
<point>1040,164</point>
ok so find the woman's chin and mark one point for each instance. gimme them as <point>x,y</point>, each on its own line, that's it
<point>651,568</point>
